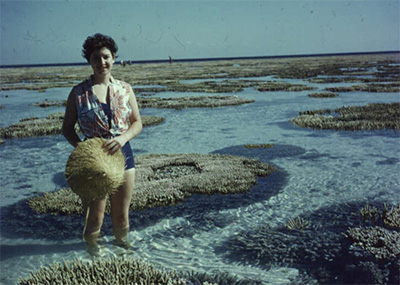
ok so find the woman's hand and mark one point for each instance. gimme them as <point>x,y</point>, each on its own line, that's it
<point>114,144</point>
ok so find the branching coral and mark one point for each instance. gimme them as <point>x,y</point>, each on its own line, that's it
<point>297,224</point>
<point>385,217</point>
<point>114,271</point>
<point>60,202</point>
<point>380,242</point>
<point>320,250</point>
<point>123,272</point>
<point>392,217</point>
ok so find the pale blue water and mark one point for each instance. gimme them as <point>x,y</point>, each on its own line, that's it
<point>319,169</point>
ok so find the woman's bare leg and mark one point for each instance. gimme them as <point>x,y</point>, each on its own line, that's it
<point>120,203</point>
<point>94,212</point>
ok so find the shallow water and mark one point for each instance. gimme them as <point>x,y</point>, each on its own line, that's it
<point>319,169</point>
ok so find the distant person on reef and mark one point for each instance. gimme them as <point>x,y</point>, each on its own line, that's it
<point>105,107</point>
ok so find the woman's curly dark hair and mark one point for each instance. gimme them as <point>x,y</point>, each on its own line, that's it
<point>98,41</point>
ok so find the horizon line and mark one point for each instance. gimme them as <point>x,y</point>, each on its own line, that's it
<point>201,59</point>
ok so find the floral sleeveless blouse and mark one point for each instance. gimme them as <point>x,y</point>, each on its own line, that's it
<point>92,119</point>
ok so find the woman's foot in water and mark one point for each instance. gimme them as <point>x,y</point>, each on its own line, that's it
<point>121,238</point>
<point>92,243</point>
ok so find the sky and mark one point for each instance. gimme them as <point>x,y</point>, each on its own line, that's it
<point>43,32</point>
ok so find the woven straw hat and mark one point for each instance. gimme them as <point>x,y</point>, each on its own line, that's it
<point>92,172</point>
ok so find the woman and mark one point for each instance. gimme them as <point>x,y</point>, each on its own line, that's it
<point>105,107</point>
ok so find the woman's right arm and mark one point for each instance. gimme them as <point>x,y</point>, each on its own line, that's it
<point>70,119</point>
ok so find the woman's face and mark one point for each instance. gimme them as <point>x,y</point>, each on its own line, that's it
<point>102,61</point>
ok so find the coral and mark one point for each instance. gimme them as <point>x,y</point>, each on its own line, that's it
<point>389,87</point>
<point>205,86</point>
<point>297,224</point>
<point>92,172</point>
<point>385,217</point>
<point>174,103</point>
<point>380,242</point>
<point>370,117</point>
<point>114,271</point>
<point>123,272</point>
<point>392,217</point>
<point>51,125</point>
<point>191,102</point>
<point>364,273</point>
<point>351,79</point>
<point>370,213</point>
<point>167,179</point>
<point>267,145</point>
<point>50,103</point>
<point>281,86</point>
<point>61,202</point>
<point>323,95</point>
<point>33,127</point>
<point>169,75</point>
<point>267,247</point>
<point>216,279</point>
<point>320,251</point>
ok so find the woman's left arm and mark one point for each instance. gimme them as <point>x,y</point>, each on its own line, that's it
<point>135,128</point>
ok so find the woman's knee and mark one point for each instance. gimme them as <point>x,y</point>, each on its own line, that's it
<point>96,219</point>
<point>94,222</point>
<point>120,220</point>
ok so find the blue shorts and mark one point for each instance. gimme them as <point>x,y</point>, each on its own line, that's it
<point>128,154</point>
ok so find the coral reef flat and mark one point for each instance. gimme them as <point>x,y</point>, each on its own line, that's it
<point>170,76</point>
<point>226,193</point>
